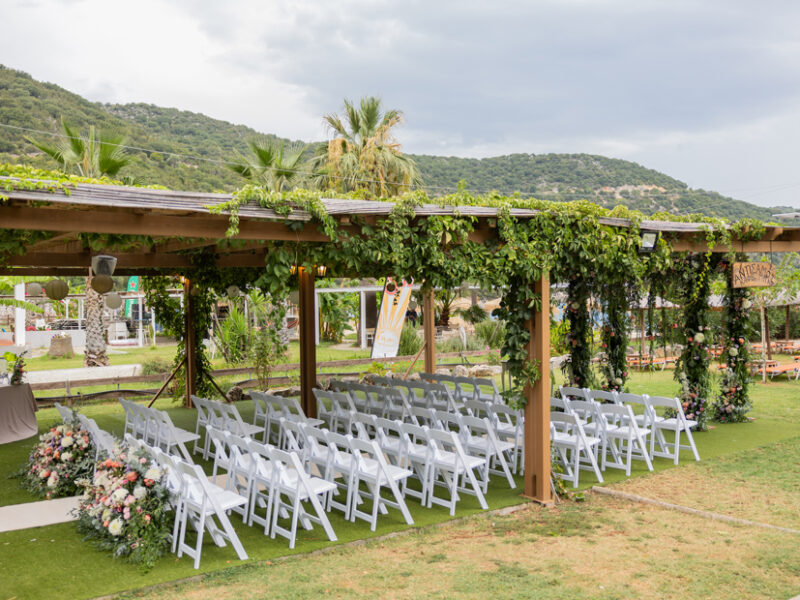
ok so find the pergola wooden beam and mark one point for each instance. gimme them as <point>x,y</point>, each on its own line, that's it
<point>683,245</point>
<point>126,223</point>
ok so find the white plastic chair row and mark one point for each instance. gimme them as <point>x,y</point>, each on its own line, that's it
<point>222,415</point>
<point>156,428</point>
<point>270,409</point>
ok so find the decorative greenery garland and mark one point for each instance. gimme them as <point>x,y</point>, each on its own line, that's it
<point>733,402</point>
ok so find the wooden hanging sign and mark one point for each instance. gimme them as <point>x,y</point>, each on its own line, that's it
<point>753,274</point>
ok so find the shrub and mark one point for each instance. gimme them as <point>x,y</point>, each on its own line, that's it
<point>491,333</point>
<point>410,342</point>
<point>454,344</point>
<point>474,314</point>
<point>156,366</point>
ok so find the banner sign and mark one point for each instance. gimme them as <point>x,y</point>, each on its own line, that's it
<point>133,286</point>
<point>391,317</point>
<point>755,274</point>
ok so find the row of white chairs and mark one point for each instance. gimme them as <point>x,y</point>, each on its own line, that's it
<point>102,441</point>
<point>594,435</point>
<point>222,415</point>
<point>156,428</point>
<point>399,402</point>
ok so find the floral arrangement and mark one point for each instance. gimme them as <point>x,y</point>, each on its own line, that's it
<point>125,508</point>
<point>18,369</point>
<point>63,455</point>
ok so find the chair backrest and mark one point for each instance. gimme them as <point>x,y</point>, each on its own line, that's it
<point>291,435</point>
<point>565,418</point>
<point>260,454</point>
<point>364,425</point>
<point>338,446</point>
<point>414,434</point>
<point>603,395</point>
<point>572,392</point>
<point>445,441</point>
<point>238,447</point>
<point>259,403</point>
<point>670,404</point>
<point>424,416</point>
<point>478,408</point>
<point>384,381</point>
<point>560,404</point>
<point>220,441</point>
<point>583,409</point>
<point>449,421</point>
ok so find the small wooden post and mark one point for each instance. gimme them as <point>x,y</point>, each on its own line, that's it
<point>429,329</point>
<point>308,348</point>
<point>641,339</point>
<point>786,323</point>
<point>537,410</point>
<point>189,343</point>
<point>767,332</point>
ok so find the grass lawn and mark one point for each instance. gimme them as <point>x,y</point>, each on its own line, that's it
<point>129,356</point>
<point>746,471</point>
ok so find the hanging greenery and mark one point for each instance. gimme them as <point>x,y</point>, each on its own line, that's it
<point>567,240</point>
<point>614,337</point>
<point>579,366</point>
<point>733,402</point>
<point>693,281</point>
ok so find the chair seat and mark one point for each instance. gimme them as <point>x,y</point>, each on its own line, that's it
<point>674,424</point>
<point>594,429</point>
<point>567,439</point>
<point>450,460</point>
<point>396,473</point>
<point>227,499</point>
<point>182,436</point>
<point>482,444</point>
<point>624,430</point>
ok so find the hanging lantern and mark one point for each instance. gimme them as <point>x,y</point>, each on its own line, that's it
<point>102,284</point>
<point>293,269</point>
<point>233,291</point>
<point>321,270</point>
<point>103,264</point>
<point>34,289</point>
<point>113,300</point>
<point>56,289</point>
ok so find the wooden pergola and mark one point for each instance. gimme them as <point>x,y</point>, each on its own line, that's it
<point>179,221</point>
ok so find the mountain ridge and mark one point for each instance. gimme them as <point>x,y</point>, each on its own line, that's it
<point>188,150</point>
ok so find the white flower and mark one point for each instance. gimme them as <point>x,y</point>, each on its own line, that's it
<point>699,338</point>
<point>107,514</point>
<point>618,381</point>
<point>115,527</point>
<point>52,480</point>
<point>119,495</point>
<point>139,492</point>
<point>66,456</point>
<point>67,441</point>
<point>733,352</point>
<point>746,303</point>
<point>153,473</point>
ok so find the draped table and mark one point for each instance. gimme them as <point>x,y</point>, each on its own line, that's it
<point>17,413</point>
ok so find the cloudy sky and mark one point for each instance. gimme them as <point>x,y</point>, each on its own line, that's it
<point>705,90</point>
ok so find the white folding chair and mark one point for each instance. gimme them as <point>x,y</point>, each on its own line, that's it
<point>626,438</point>
<point>449,465</point>
<point>102,440</point>
<point>221,452</point>
<point>372,469</point>
<point>677,425</point>
<point>169,436</point>
<point>573,446</point>
<point>234,422</point>
<point>481,439</point>
<point>291,482</point>
<point>203,504</point>
<point>417,455</point>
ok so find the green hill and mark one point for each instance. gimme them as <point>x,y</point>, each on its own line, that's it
<point>185,150</point>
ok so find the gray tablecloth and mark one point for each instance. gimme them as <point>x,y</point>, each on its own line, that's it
<point>17,413</point>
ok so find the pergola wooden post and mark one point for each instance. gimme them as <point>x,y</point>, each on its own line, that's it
<point>189,341</point>
<point>537,410</point>
<point>308,347</point>
<point>429,329</point>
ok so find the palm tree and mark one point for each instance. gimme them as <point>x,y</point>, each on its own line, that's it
<point>364,153</point>
<point>273,165</point>
<point>95,155</point>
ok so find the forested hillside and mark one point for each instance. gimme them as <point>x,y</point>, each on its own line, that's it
<point>185,150</point>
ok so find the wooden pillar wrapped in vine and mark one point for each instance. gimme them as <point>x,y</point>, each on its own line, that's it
<point>580,333</point>
<point>693,278</point>
<point>733,402</point>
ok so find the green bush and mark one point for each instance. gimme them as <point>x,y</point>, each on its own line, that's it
<point>485,332</point>
<point>454,344</point>
<point>156,366</point>
<point>410,342</point>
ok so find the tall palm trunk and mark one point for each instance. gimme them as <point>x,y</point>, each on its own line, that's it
<point>95,352</point>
